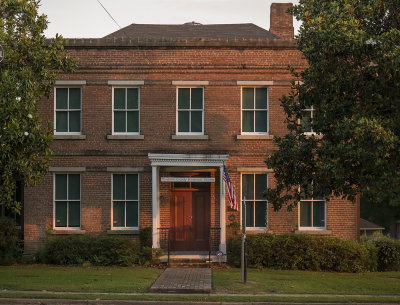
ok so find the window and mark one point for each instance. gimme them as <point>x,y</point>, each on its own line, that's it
<point>255,110</point>
<point>307,119</point>
<point>253,186</point>
<point>126,110</point>
<point>67,203</point>
<point>190,111</point>
<point>68,110</point>
<point>125,203</point>
<point>312,212</point>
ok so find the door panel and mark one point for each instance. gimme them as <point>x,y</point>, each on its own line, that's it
<point>190,220</point>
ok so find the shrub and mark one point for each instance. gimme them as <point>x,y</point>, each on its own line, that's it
<point>387,251</point>
<point>77,250</point>
<point>303,252</point>
<point>10,242</point>
<point>145,237</point>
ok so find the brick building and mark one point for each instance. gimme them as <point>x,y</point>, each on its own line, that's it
<point>144,126</point>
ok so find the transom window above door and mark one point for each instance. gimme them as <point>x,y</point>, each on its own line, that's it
<point>126,110</point>
<point>190,111</point>
<point>255,110</point>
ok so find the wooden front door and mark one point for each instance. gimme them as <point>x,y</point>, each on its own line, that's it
<point>190,220</point>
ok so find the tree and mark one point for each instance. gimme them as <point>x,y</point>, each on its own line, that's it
<point>352,84</point>
<point>27,73</point>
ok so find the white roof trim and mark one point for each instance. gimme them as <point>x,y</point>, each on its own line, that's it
<point>255,83</point>
<point>187,160</point>
<point>125,82</point>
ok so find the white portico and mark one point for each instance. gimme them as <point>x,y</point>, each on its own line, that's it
<point>193,163</point>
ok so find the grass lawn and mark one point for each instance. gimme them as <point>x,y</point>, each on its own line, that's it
<point>77,279</point>
<point>278,281</point>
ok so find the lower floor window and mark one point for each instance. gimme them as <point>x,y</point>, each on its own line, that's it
<point>125,205</point>
<point>67,203</point>
<point>253,186</point>
<point>312,213</point>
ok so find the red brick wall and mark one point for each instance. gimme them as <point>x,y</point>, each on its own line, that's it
<point>222,67</point>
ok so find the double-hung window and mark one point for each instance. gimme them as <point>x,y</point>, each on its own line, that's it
<point>253,186</point>
<point>307,119</point>
<point>190,111</point>
<point>255,110</point>
<point>68,110</point>
<point>67,201</point>
<point>313,212</point>
<point>125,201</point>
<point>126,110</point>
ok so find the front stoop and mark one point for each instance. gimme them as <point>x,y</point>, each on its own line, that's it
<point>183,280</point>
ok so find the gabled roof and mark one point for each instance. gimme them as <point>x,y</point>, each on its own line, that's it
<point>367,225</point>
<point>193,30</point>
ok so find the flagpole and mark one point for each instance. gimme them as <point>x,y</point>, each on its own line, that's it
<point>243,256</point>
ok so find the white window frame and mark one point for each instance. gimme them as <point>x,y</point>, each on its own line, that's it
<point>254,111</point>
<point>68,200</point>
<point>67,110</point>
<point>312,215</point>
<point>189,110</point>
<point>112,201</point>
<point>241,201</point>
<point>311,110</point>
<point>125,110</point>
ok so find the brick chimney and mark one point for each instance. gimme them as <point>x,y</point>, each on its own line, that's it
<point>281,23</point>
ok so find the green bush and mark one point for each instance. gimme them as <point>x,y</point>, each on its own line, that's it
<point>77,250</point>
<point>387,251</point>
<point>11,246</point>
<point>303,252</point>
<point>145,237</point>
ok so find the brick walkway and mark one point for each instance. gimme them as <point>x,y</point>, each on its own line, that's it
<point>183,280</point>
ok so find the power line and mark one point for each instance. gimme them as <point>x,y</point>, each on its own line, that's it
<point>108,13</point>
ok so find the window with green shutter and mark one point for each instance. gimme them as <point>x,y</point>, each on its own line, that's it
<point>126,110</point>
<point>190,111</point>
<point>253,186</point>
<point>67,201</point>
<point>68,110</point>
<point>255,110</point>
<point>125,205</point>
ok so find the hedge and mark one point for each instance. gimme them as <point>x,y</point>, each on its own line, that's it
<point>11,245</point>
<point>303,252</point>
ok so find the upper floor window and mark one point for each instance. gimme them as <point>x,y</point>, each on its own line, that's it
<point>253,186</point>
<point>313,212</point>
<point>68,110</point>
<point>125,203</point>
<point>255,110</point>
<point>307,119</point>
<point>126,110</point>
<point>67,201</point>
<point>190,111</point>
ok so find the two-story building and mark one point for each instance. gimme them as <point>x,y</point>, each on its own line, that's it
<point>144,127</point>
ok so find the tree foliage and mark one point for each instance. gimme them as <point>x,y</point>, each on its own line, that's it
<point>27,72</point>
<point>353,83</point>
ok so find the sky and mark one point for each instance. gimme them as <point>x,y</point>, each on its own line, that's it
<point>87,19</point>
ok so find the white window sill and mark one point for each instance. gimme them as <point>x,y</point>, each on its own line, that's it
<point>313,231</point>
<point>254,137</point>
<point>313,134</point>
<point>189,137</point>
<point>125,137</point>
<point>123,231</point>
<point>66,231</point>
<point>252,230</point>
<point>69,137</point>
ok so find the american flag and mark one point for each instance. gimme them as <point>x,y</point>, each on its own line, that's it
<point>231,191</point>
